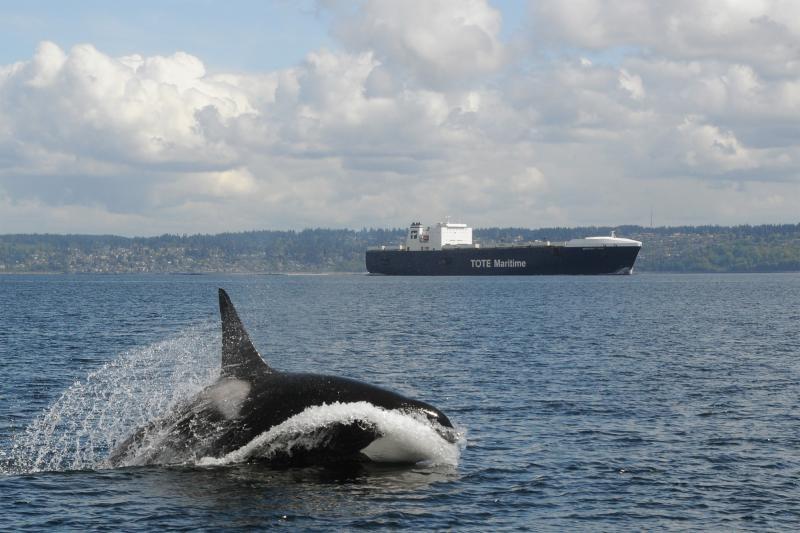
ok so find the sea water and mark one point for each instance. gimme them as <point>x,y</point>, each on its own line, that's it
<point>631,402</point>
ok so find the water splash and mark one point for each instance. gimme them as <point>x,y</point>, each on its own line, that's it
<point>93,415</point>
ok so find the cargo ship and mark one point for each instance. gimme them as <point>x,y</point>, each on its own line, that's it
<point>446,249</point>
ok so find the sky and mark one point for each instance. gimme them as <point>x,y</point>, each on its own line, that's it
<point>207,116</point>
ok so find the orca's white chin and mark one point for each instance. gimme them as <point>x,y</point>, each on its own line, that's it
<point>390,450</point>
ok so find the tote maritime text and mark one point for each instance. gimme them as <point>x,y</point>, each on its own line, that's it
<point>497,263</point>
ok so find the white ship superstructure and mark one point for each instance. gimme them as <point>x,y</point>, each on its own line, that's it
<point>443,234</point>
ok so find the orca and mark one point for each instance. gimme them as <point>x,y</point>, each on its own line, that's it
<point>251,400</point>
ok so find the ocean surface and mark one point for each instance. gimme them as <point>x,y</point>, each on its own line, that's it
<point>586,403</point>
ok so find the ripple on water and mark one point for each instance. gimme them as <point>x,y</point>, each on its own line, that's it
<point>643,402</point>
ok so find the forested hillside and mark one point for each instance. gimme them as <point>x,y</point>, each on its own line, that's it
<point>766,248</point>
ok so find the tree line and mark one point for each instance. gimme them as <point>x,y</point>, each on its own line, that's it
<point>762,248</point>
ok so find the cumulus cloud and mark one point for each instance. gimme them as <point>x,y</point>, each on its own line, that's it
<point>437,43</point>
<point>631,83</point>
<point>711,86</point>
<point>763,32</point>
<point>424,111</point>
<point>85,111</point>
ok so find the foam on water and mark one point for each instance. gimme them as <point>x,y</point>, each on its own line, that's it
<point>93,415</point>
<point>406,438</point>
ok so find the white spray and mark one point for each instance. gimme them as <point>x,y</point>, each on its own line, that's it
<point>90,417</point>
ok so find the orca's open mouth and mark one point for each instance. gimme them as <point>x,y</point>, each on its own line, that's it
<point>437,420</point>
<point>449,434</point>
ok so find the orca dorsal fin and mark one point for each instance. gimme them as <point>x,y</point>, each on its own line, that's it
<point>240,359</point>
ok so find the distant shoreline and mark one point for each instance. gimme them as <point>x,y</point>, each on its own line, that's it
<point>685,249</point>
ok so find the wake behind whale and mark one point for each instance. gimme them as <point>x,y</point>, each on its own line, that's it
<point>256,413</point>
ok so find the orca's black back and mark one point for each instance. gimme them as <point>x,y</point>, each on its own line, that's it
<point>276,397</point>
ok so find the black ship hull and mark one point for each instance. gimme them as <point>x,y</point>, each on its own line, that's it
<point>516,260</point>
